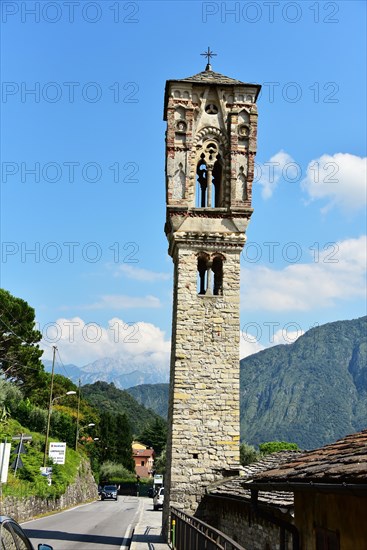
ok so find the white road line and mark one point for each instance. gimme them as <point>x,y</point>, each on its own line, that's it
<point>127,536</point>
<point>130,528</point>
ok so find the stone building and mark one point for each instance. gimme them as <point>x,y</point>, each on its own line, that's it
<point>229,507</point>
<point>210,151</point>
<point>330,493</point>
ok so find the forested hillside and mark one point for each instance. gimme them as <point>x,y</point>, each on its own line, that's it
<point>49,406</point>
<point>152,396</point>
<point>107,398</point>
<point>311,392</point>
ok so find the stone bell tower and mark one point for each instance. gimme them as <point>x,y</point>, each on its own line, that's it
<point>210,152</point>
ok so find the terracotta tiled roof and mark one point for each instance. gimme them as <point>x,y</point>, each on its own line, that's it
<point>143,452</point>
<point>237,487</point>
<point>344,461</point>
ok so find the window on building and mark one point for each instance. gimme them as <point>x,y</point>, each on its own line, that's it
<point>209,189</point>
<point>201,172</point>
<point>326,539</point>
<point>142,463</point>
<point>211,109</point>
<point>217,182</point>
<point>210,275</point>
<point>217,268</point>
<point>202,275</point>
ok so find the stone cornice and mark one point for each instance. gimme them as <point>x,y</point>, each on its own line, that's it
<point>210,213</point>
<point>198,241</point>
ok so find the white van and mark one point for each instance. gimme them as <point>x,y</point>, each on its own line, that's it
<point>158,499</point>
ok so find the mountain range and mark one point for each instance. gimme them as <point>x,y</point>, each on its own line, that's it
<point>311,392</point>
<point>111,370</point>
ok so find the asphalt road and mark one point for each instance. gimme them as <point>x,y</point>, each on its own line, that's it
<point>100,525</point>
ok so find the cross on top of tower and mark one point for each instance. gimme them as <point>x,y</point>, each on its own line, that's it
<point>208,54</point>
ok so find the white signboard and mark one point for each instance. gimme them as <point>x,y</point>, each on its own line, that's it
<point>57,452</point>
<point>4,461</point>
<point>158,479</point>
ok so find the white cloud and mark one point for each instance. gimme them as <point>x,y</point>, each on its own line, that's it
<point>285,336</point>
<point>252,332</point>
<point>120,301</point>
<point>338,273</point>
<point>340,179</point>
<point>139,274</point>
<point>138,344</point>
<point>249,344</point>
<point>269,173</point>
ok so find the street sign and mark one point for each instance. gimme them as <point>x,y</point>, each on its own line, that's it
<point>17,463</point>
<point>22,437</point>
<point>46,471</point>
<point>4,461</point>
<point>20,449</point>
<point>57,452</point>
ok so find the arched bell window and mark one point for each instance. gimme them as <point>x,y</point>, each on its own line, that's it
<point>209,170</point>
<point>217,182</point>
<point>202,274</point>
<point>210,275</point>
<point>217,268</point>
<point>202,174</point>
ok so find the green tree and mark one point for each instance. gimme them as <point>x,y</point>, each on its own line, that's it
<point>275,446</point>
<point>155,435</point>
<point>115,439</point>
<point>248,454</point>
<point>160,463</point>
<point>114,473</point>
<point>20,356</point>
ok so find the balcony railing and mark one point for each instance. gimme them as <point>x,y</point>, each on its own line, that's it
<point>189,533</point>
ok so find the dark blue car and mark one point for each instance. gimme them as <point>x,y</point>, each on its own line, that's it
<point>109,492</point>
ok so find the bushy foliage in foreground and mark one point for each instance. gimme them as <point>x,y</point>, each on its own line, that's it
<point>28,479</point>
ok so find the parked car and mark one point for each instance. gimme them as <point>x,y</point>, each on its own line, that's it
<point>12,537</point>
<point>109,491</point>
<point>158,499</point>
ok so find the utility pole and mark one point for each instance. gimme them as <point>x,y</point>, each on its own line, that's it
<point>77,420</point>
<point>49,405</point>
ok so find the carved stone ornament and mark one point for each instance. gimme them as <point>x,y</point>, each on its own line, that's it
<point>243,130</point>
<point>181,126</point>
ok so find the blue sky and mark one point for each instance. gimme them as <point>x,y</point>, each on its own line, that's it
<point>92,131</point>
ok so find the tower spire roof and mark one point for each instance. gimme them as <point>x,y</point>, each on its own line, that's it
<point>210,77</point>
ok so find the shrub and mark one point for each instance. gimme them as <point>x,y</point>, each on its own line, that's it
<point>248,454</point>
<point>275,446</point>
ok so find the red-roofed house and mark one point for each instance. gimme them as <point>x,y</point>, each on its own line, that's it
<point>144,459</point>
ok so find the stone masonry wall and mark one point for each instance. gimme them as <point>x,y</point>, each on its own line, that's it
<point>236,519</point>
<point>84,489</point>
<point>204,411</point>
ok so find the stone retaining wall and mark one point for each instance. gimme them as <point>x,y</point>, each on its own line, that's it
<point>84,489</point>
